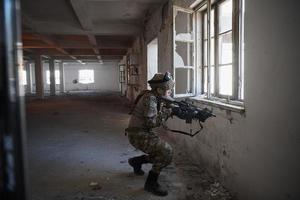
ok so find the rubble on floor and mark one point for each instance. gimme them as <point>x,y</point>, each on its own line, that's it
<point>199,184</point>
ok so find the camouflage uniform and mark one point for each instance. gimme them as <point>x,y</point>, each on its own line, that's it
<point>144,117</point>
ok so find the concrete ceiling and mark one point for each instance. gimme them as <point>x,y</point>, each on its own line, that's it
<point>79,29</point>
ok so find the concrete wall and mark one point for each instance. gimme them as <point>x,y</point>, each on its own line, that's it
<point>256,155</point>
<point>158,24</point>
<point>106,77</point>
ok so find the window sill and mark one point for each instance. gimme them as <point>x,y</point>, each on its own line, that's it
<point>234,106</point>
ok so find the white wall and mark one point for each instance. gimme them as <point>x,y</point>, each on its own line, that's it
<point>256,155</point>
<point>106,77</point>
<point>152,58</point>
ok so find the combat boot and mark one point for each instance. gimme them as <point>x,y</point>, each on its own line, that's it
<point>153,186</point>
<point>136,163</point>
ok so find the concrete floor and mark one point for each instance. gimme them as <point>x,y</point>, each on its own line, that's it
<point>76,140</point>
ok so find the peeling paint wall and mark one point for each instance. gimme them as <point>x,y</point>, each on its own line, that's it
<point>159,25</point>
<point>255,155</point>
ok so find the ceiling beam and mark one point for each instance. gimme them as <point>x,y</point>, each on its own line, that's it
<point>80,8</point>
<point>34,45</point>
<point>78,52</point>
<point>29,24</point>
<point>93,42</point>
<point>81,11</point>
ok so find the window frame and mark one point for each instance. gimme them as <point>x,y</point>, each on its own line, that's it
<point>192,67</point>
<point>84,75</point>
<point>237,98</point>
<point>235,30</point>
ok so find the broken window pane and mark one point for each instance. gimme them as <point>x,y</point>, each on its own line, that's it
<point>183,26</point>
<point>184,80</point>
<point>183,54</point>
<point>225,16</point>
<point>225,77</point>
<point>225,48</point>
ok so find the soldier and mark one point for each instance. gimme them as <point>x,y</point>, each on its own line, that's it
<point>147,115</point>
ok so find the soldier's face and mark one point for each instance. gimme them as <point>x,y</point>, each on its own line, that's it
<point>168,92</point>
<point>163,92</point>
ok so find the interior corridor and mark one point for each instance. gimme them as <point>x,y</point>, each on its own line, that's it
<point>70,71</point>
<point>75,141</point>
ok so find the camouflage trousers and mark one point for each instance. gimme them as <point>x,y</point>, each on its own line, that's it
<point>160,153</point>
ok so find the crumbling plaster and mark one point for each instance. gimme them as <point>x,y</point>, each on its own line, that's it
<point>155,26</point>
<point>256,155</point>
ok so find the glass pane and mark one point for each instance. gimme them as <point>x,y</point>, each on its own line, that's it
<point>48,77</point>
<point>212,27</point>
<point>212,79</point>
<point>225,16</point>
<point>205,79</point>
<point>205,53</point>
<point>32,72</point>
<point>184,54</point>
<point>212,52</point>
<point>212,19</point>
<point>225,80</point>
<point>122,68</point>
<point>57,77</point>
<point>23,77</point>
<point>184,80</point>
<point>86,76</point>
<point>225,48</point>
<point>205,25</point>
<point>183,26</point>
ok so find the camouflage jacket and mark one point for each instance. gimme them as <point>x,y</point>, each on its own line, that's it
<point>145,113</point>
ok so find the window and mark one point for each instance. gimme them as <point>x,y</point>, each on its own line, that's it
<point>122,73</point>
<point>226,72</point>
<point>57,77</point>
<point>86,76</point>
<point>183,54</point>
<point>23,78</point>
<point>152,59</point>
<point>219,73</point>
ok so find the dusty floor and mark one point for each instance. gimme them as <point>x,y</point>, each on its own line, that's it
<point>75,141</point>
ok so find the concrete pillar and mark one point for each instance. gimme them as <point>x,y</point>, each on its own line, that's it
<point>28,78</point>
<point>52,77</point>
<point>61,77</point>
<point>39,77</point>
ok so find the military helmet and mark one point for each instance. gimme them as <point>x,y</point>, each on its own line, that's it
<point>160,80</point>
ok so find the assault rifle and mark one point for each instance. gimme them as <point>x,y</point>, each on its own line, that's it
<point>185,111</point>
